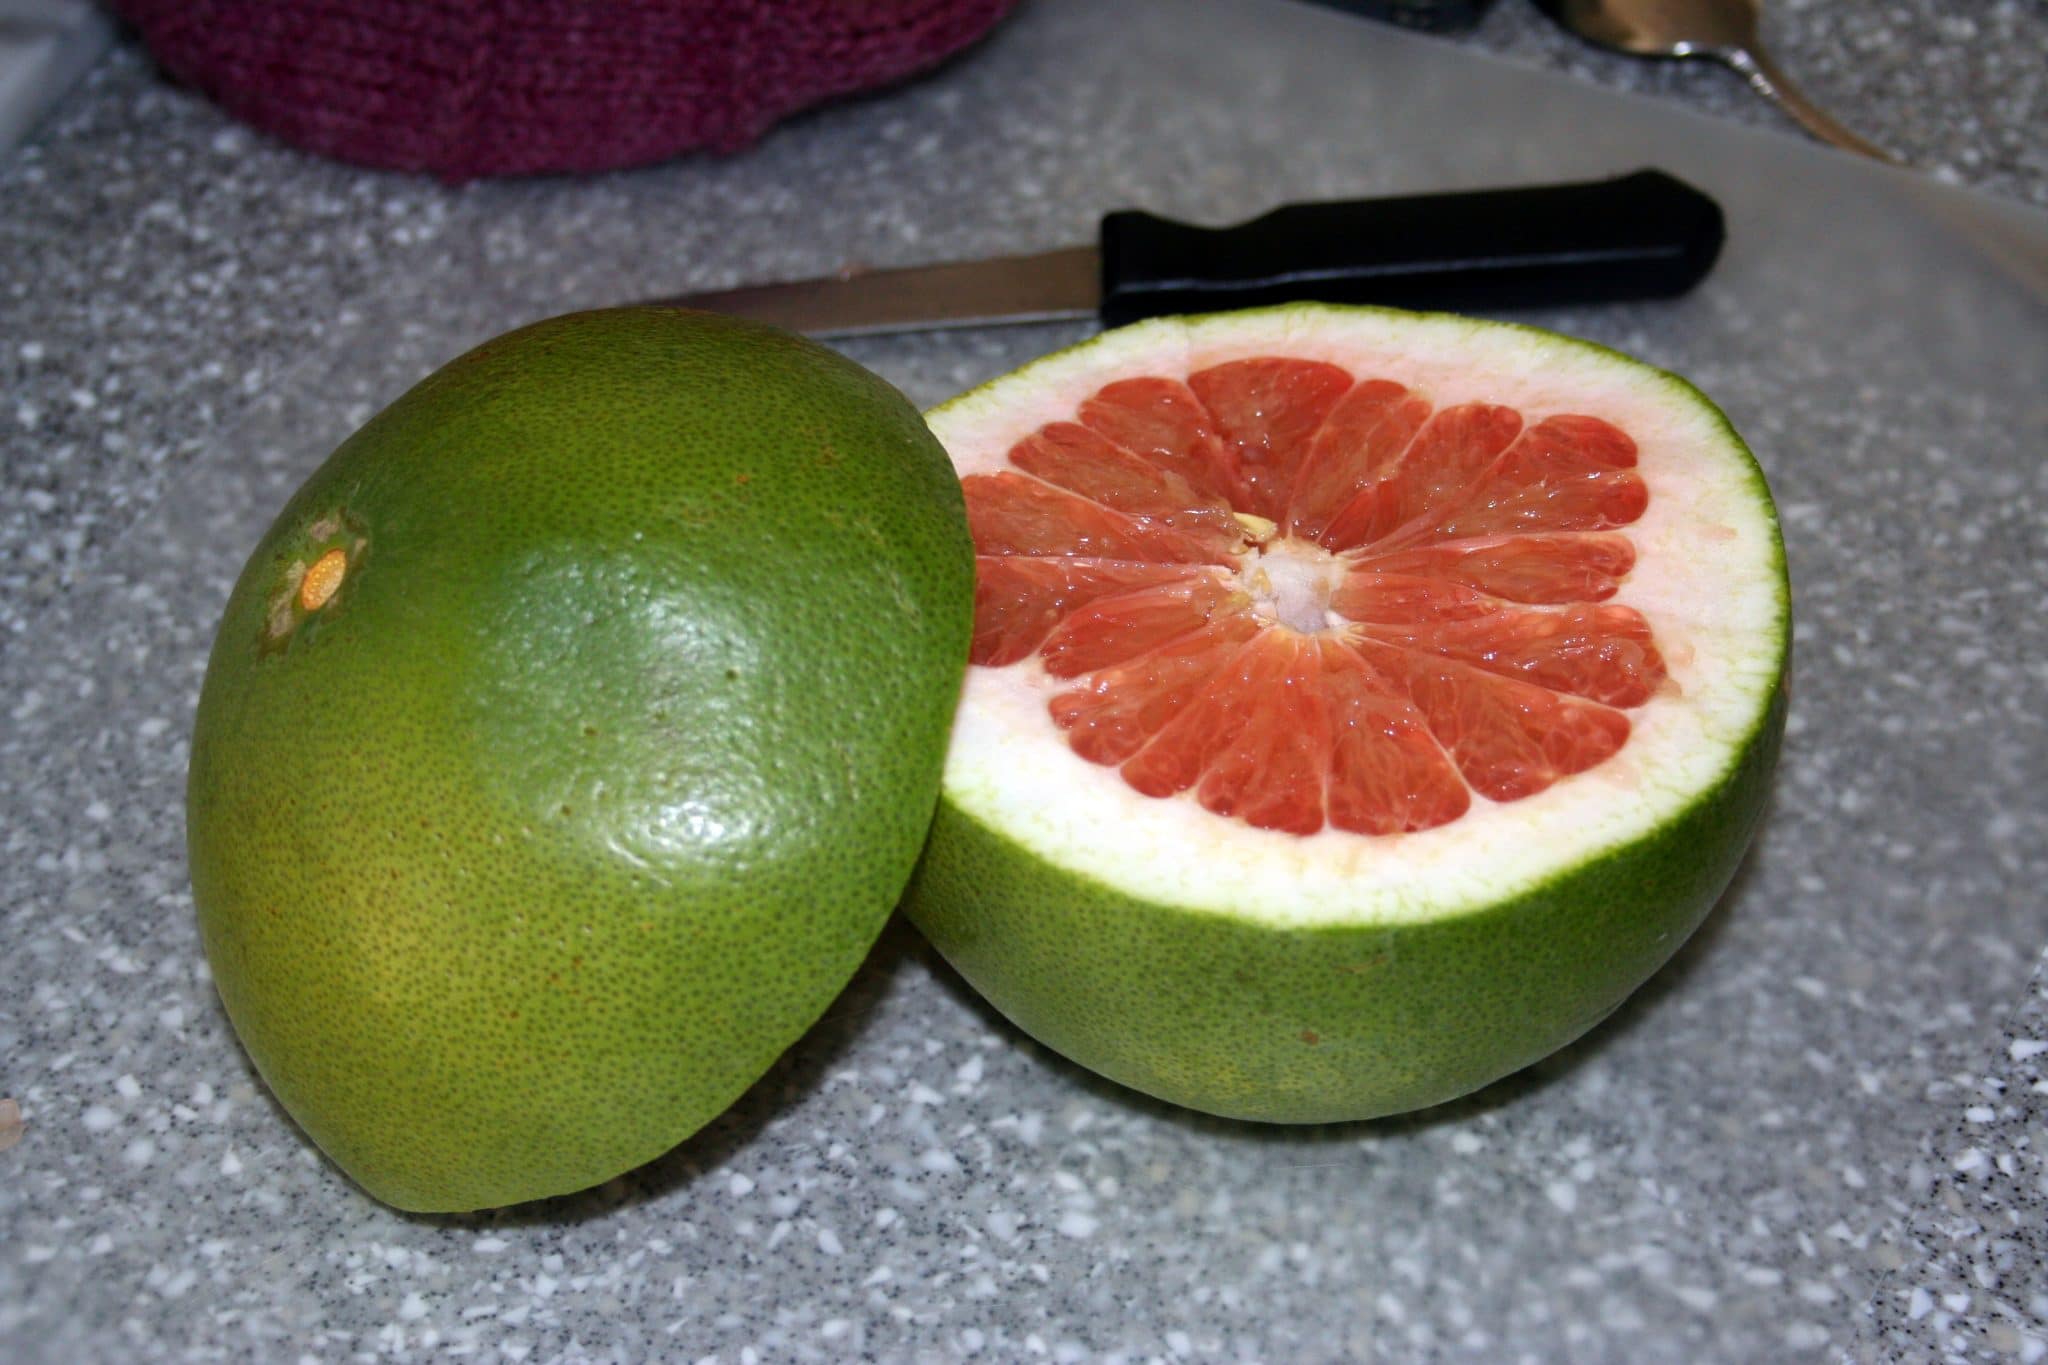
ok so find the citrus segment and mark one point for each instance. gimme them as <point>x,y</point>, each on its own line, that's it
<point>1113,712</point>
<point>1111,630</point>
<point>1163,421</point>
<point>1018,599</point>
<point>1509,739</point>
<point>1532,568</point>
<point>1387,774</point>
<point>1357,447</point>
<point>1367,594</point>
<point>1441,467</point>
<point>1072,457</point>
<point>1014,515</point>
<point>1603,653</point>
<point>1270,408</point>
<point>1565,473</point>
<point>1249,740</point>
<point>1270,775</point>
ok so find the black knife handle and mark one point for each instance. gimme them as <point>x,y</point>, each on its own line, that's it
<point>1646,235</point>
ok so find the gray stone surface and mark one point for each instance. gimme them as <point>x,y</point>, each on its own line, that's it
<point>1816,1135</point>
<point>1969,1284</point>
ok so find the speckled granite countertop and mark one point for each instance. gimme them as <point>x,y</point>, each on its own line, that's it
<point>1817,1135</point>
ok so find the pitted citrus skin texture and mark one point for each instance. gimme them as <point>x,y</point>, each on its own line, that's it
<point>526,835</point>
<point>1363,703</point>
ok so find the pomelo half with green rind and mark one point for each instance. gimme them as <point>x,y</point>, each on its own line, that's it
<point>567,742</point>
<point>1364,703</point>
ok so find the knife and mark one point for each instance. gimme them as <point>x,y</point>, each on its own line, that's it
<point>1645,235</point>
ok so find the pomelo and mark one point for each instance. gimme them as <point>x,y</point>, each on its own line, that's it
<point>1363,703</point>
<point>566,743</point>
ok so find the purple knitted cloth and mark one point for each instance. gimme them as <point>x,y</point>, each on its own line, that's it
<point>468,88</point>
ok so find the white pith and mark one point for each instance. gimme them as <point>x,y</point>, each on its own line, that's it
<point>1707,578</point>
<point>1291,582</point>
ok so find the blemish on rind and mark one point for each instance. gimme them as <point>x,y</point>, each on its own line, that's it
<point>311,572</point>
<point>323,579</point>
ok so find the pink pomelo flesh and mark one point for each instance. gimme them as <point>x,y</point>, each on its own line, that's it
<point>1313,598</point>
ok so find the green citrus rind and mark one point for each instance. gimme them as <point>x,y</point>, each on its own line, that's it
<point>527,851</point>
<point>1164,969</point>
<point>1330,1023</point>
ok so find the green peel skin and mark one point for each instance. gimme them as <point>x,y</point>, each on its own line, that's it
<point>567,742</point>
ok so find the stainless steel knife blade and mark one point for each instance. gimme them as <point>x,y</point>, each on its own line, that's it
<point>1048,287</point>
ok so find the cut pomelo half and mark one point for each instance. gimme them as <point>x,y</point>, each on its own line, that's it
<point>1363,703</point>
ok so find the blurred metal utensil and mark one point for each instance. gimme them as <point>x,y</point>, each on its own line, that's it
<point>1722,30</point>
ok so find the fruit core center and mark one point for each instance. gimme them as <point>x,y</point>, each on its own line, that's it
<point>1290,582</point>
